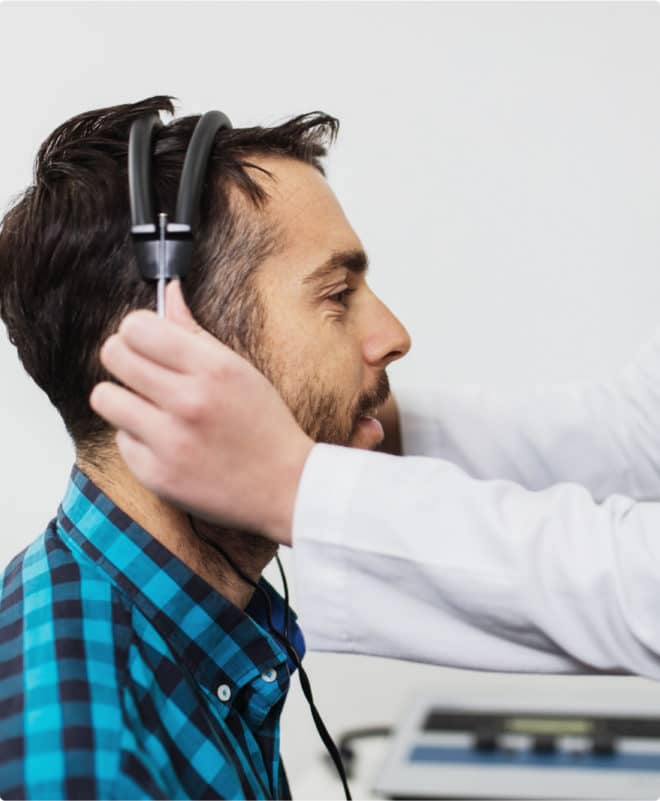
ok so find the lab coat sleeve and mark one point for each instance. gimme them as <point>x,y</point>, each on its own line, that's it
<point>604,436</point>
<point>411,558</point>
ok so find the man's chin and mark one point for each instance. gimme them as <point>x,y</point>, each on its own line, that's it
<point>367,433</point>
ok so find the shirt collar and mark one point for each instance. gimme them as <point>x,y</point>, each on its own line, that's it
<point>219,643</point>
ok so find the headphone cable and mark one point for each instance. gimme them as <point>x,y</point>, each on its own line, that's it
<point>305,684</point>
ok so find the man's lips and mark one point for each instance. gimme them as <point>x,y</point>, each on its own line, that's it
<point>368,432</point>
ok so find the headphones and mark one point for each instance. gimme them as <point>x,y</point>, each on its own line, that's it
<point>163,250</point>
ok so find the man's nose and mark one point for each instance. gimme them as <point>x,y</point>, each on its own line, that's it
<point>387,340</point>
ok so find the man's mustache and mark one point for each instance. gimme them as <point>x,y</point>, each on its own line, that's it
<point>369,401</point>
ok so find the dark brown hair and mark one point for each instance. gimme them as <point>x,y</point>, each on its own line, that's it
<point>67,271</point>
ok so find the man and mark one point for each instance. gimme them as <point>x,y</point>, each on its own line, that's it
<point>529,542</point>
<point>136,661</point>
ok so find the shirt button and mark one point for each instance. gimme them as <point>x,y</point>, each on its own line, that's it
<point>269,676</point>
<point>224,693</point>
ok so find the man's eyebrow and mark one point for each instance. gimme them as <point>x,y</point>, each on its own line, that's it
<point>355,261</point>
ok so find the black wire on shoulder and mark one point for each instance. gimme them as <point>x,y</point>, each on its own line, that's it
<point>305,685</point>
<point>287,606</point>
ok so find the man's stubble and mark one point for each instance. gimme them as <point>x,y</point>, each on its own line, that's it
<point>322,414</point>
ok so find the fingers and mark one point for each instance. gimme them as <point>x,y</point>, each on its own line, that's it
<point>127,411</point>
<point>159,340</point>
<point>155,382</point>
<point>139,459</point>
<point>177,310</point>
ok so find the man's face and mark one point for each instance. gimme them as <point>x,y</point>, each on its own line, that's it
<point>327,338</point>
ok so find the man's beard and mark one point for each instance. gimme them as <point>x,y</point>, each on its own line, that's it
<point>325,417</point>
<point>321,412</point>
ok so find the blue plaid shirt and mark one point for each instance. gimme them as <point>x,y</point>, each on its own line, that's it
<point>123,674</point>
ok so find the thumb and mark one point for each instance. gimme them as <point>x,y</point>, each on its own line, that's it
<point>176,308</point>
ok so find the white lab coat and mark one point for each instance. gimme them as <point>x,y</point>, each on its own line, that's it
<point>479,558</point>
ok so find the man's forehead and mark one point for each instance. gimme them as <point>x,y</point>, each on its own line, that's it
<point>294,184</point>
<point>315,233</point>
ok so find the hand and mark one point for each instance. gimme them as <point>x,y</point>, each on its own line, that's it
<point>202,427</point>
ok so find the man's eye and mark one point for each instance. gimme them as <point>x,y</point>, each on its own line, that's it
<point>341,297</point>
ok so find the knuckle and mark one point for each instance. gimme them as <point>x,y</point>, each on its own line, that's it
<point>216,370</point>
<point>222,367</point>
<point>191,406</point>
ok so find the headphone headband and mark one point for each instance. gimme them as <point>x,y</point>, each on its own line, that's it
<point>139,169</point>
<point>163,249</point>
<point>194,165</point>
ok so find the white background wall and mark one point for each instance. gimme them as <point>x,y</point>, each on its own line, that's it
<point>501,163</point>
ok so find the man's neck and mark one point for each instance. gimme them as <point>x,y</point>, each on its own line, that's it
<point>171,527</point>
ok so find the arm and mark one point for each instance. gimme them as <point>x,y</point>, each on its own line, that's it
<point>604,436</point>
<point>413,559</point>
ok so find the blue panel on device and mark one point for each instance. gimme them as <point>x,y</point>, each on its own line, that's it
<point>470,756</point>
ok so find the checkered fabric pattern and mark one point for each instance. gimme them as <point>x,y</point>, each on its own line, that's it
<point>123,674</point>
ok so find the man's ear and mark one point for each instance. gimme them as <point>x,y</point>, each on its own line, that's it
<point>176,308</point>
